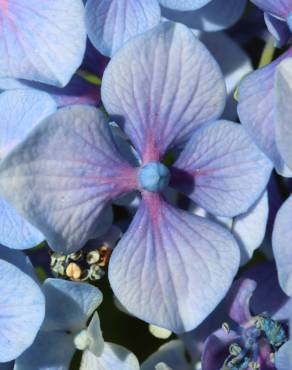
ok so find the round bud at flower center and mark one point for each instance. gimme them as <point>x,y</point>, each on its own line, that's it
<point>154,177</point>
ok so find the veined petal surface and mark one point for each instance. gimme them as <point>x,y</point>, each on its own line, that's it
<point>22,310</point>
<point>161,86</point>
<point>42,40</point>
<point>69,170</point>
<point>113,357</point>
<point>110,23</point>
<point>283,87</point>
<point>221,169</point>
<point>172,268</point>
<point>21,111</point>
<point>256,110</point>
<point>69,304</point>
<point>282,235</point>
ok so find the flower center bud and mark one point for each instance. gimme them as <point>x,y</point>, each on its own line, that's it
<point>154,177</point>
<point>82,340</point>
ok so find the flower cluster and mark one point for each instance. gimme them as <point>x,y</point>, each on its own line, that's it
<point>145,172</point>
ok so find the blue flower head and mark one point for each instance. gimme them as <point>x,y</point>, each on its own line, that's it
<point>165,90</point>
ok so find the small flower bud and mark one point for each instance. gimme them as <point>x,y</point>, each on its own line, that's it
<point>234,349</point>
<point>73,271</point>
<point>92,257</point>
<point>226,327</point>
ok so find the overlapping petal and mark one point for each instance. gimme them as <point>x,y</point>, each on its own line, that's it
<point>69,304</point>
<point>161,86</point>
<point>42,41</point>
<point>221,169</point>
<point>215,16</point>
<point>256,110</point>
<point>280,8</point>
<point>110,23</point>
<point>283,87</point>
<point>21,111</point>
<point>50,351</point>
<point>113,357</point>
<point>22,310</point>
<point>283,360</point>
<point>167,268</point>
<point>69,170</point>
<point>249,228</point>
<point>282,236</point>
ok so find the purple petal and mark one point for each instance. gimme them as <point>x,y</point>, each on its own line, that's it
<point>282,236</point>
<point>161,86</point>
<point>221,169</point>
<point>22,310</point>
<point>21,111</point>
<point>111,23</point>
<point>114,357</point>
<point>216,349</point>
<point>283,89</point>
<point>69,304</point>
<point>280,8</point>
<point>42,41</point>
<point>256,109</point>
<point>160,267</point>
<point>67,167</point>
<point>215,16</point>
<point>278,28</point>
<point>239,298</point>
<point>265,276</point>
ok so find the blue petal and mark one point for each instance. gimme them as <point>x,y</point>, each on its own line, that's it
<point>221,169</point>
<point>22,310</point>
<point>20,260</point>
<point>233,61</point>
<point>282,236</point>
<point>250,228</point>
<point>68,166</point>
<point>215,16</point>
<point>283,89</point>
<point>256,110</point>
<point>110,23</point>
<point>160,267</point>
<point>42,41</point>
<point>50,351</point>
<point>113,357</point>
<point>172,354</point>
<point>21,111</point>
<point>283,359</point>
<point>69,304</point>
<point>161,86</point>
<point>184,4</point>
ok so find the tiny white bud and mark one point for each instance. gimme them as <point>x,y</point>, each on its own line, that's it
<point>82,340</point>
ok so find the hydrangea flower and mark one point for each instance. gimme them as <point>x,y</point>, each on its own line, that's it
<point>250,293</point>
<point>164,89</point>
<point>42,41</point>
<point>110,23</point>
<point>69,305</point>
<point>22,305</point>
<point>278,18</point>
